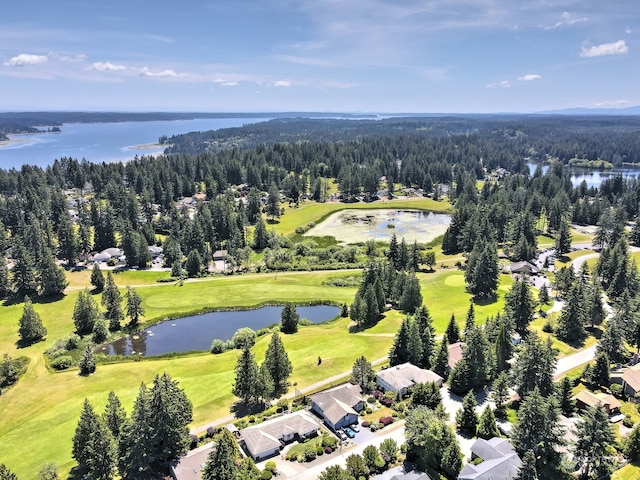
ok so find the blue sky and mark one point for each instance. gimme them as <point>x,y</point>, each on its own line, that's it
<point>320,55</point>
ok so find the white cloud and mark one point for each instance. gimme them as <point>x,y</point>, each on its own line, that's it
<point>502,84</point>
<point>529,77</point>
<point>282,83</point>
<point>612,103</point>
<point>628,31</point>
<point>565,19</point>
<point>145,72</point>
<point>68,58</point>
<point>25,59</point>
<point>107,67</point>
<point>614,48</point>
<point>226,83</point>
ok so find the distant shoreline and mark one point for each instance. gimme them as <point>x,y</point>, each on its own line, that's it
<point>13,140</point>
<point>149,146</point>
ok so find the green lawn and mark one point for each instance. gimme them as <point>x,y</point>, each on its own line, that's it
<point>628,472</point>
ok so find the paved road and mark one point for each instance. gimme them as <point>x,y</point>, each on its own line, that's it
<point>565,364</point>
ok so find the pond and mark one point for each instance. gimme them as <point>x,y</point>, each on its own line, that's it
<point>592,177</point>
<point>353,225</point>
<point>196,332</point>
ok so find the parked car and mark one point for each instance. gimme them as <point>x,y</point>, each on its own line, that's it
<point>355,427</point>
<point>341,435</point>
<point>350,433</point>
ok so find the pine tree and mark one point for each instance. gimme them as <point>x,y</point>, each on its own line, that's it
<point>595,309</point>
<point>528,469</point>
<point>566,403</point>
<point>572,318</point>
<point>5,283</point>
<point>31,329</point>
<point>440,361</point>
<point>600,372</point>
<point>400,349</point>
<point>85,313</point>
<point>487,427</point>
<point>426,394</point>
<point>221,462</point>
<point>543,295</point>
<point>135,444</point>
<point>470,321</point>
<point>97,278</point>
<point>500,392</point>
<point>289,318</point>
<point>451,461</point>
<point>87,362</point>
<point>520,306</point>
<point>134,306</point>
<point>632,444</point>
<point>362,374</point>
<point>477,355</point>
<point>563,240</point>
<point>100,332</point>
<point>466,418</point>
<point>460,379</point>
<point>112,301</point>
<point>535,367</point>
<point>277,363</point>
<point>414,344</point>
<point>503,349</point>
<point>260,235</point>
<point>411,297</point>
<point>452,331</point>
<point>93,445</point>
<point>193,264</point>
<point>246,377</point>
<point>596,441</point>
<point>52,279</point>
<point>114,415</point>
<point>24,274</point>
<point>482,270</point>
<point>427,335</point>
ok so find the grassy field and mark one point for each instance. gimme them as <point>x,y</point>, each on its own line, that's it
<point>628,472</point>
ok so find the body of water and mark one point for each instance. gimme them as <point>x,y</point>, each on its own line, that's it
<point>104,142</point>
<point>593,178</point>
<point>198,331</point>
<point>353,225</point>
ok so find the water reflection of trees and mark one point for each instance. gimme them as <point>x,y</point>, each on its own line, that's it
<point>133,343</point>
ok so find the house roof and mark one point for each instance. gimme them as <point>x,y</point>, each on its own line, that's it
<point>631,377</point>
<point>524,266</point>
<point>337,402</point>
<point>219,254</point>
<point>455,353</point>
<point>598,399</point>
<point>267,435</point>
<point>191,465</point>
<point>407,375</point>
<point>499,461</point>
<point>113,252</point>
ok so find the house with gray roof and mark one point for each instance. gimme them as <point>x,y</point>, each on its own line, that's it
<point>400,378</point>
<point>499,460</point>
<point>267,438</point>
<point>338,406</point>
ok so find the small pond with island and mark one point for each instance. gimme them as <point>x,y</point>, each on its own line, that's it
<point>196,332</point>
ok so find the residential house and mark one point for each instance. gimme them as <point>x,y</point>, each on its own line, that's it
<point>191,465</point>
<point>338,406</point>
<point>585,398</point>
<point>455,353</point>
<point>155,251</point>
<point>524,268</point>
<point>630,380</point>
<point>400,378</point>
<point>398,473</point>
<point>266,439</point>
<point>499,460</point>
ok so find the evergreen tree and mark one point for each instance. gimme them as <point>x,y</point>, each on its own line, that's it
<point>477,355</point>
<point>414,343</point>
<point>134,306</point>
<point>470,321</point>
<point>543,295</point>
<point>135,444</point>
<point>68,241</point>
<point>362,374</point>
<point>6,474</point>
<point>600,372</point>
<point>87,362</point>
<point>260,235</point>
<point>500,392</point>
<point>612,338</point>
<point>424,323</point>
<point>466,418</point>
<point>594,309</point>
<point>503,349</point>
<point>93,445</point>
<point>99,333</point>
<point>596,442</point>
<point>452,331</point>
<point>428,437</point>
<point>400,352</point>
<point>520,306</point>
<point>460,379</point>
<point>487,427</point>
<point>537,429</point>
<point>411,297</point>
<point>51,277</point>
<point>563,238</point>
<point>31,329</point>
<point>112,301</point>
<point>273,202</point>
<point>221,462</point>
<point>24,272</point>
<point>632,444</point>
<point>482,270</point>
<point>440,361</point>
<point>572,318</point>
<point>289,318</point>
<point>193,264</point>
<point>276,361</point>
<point>535,367</point>
<point>246,377</point>
<point>393,253</point>
<point>528,469</point>
<point>566,403</point>
<point>114,415</point>
<point>451,461</point>
<point>97,278</point>
<point>85,313</point>
<point>5,282</point>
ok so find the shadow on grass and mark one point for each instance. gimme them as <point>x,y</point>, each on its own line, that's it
<point>17,299</point>
<point>355,328</point>
<point>241,409</point>
<point>484,301</point>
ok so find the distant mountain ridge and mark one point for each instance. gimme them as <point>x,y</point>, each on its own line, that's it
<point>634,110</point>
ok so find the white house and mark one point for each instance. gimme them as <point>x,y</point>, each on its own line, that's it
<point>400,378</point>
<point>499,460</point>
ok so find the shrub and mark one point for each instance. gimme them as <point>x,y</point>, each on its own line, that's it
<point>386,421</point>
<point>328,450</point>
<point>368,410</point>
<point>329,441</point>
<point>365,424</point>
<point>371,399</point>
<point>71,342</point>
<point>377,394</point>
<point>375,426</point>
<point>266,475</point>
<point>193,439</point>
<point>218,346</point>
<point>548,327</point>
<point>627,422</point>
<point>211,432</point>
<point>270,465</point>
<point>62,363</point>
<point>309,453</point>
<point>319,450</point>
<point>616,389</point>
